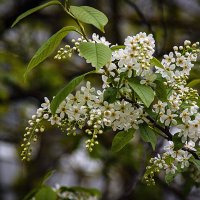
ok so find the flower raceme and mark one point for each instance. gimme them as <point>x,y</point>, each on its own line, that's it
<point>122,106</point>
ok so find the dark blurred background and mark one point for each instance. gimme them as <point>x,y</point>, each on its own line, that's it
<point>118,175</point>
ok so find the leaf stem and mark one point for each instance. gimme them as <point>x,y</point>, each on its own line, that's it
<point>66,9</point>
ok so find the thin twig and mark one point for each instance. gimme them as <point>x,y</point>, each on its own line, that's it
<point>140,14</point>
<point>163,21</point>
<point>77,21</point>
<point>165,130</point>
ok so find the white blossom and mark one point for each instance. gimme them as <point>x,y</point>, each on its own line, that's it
<point>168,118</point>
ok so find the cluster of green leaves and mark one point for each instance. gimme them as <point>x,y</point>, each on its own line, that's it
<point>44,192</point>
<point>96,54</point>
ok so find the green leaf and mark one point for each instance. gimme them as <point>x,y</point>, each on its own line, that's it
<point>161,91</point>
<point>177,142</point>
<point>63,93</point>
<point>194,83</point>
<point>47,176</point>
<point>89,15</point>
<point>169,177</point>
<point>148,135</point>
<point>117,47</point>
<point>121,139</point>
<point>46,193</point>
<point>29,12</point>
<point>75,189</point>
<point>95,53</point>
<point>156,62</point>
<point>31,194</point>
<point>110,94</point>
<point>48,47</point>
<point>145,93</point>
<point>198,102</point>
<point>196,162</point>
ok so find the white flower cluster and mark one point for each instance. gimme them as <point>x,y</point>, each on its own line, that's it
<point>64,53</point>
<point>70,193</point>
<point>88,110</point>
<point>133,60</point>
<point>67,51</point>
<point>87,107</point>
<point>177,65</point>
<point>172,161</point>
<point>96,38</point>
<point>182,99</point>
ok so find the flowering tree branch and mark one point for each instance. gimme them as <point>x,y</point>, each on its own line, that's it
<point>165,131</point>
<point>138,93</point>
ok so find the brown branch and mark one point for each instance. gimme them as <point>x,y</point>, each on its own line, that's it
<point>170,137</point>
<point>164,130</point>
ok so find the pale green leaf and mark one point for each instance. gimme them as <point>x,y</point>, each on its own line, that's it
<point>145,93</point>
<point>148,135</point>
<point>90,15</point>
<point>95,53</point>
<point>156,62</point>
<point>194,83</point>
<point>63,93</point>
<point>29,12</point>
<point>196,163</point>
<point>169,177</point>
<point>121,139</point>
<point>48,47</point>
<point>46,193</point>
